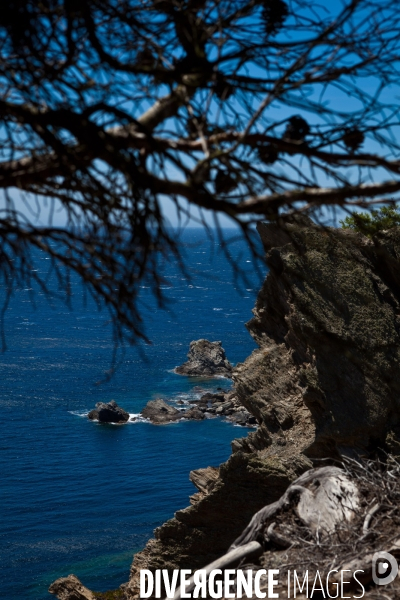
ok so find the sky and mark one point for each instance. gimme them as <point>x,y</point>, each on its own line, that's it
<point>48,208</point>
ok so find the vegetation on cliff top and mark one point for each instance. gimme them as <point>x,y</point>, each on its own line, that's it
<point>371,222</point>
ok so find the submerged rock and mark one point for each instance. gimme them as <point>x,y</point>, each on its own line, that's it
<point>205,359</point>
<point>70,588</point>
<point>108,412</point>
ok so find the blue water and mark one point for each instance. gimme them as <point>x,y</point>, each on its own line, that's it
<point>80,497</point>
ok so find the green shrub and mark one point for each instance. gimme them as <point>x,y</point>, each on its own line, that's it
<point>373,221</point>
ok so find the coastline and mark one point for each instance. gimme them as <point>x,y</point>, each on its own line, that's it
<point>311,384</point>
<point>74,490</point>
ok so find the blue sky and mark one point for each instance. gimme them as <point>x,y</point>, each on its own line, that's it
<point>335,98</point>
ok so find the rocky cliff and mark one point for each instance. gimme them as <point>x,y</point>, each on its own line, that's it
<point>324,382</point>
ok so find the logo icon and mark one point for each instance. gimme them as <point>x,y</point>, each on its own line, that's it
<point>384,568</point>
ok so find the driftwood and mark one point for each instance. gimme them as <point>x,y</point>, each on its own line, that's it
<point>322,498</point>
<point>278,539</point>
<point>368,517</point>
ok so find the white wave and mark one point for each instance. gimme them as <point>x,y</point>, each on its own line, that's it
<point>248,426</point>
<point>178,400</point>
<point>217,309</point>
<point>137,418</point>
<point>78,413</point>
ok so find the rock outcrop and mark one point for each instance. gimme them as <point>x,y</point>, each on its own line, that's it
<point>224,405</point>
<point>205,359</point>
<point>227,406</point>
<point>194,414</point>
<point>159,413</point>
<point>204,480</point>
<point>324,382</point>
<point>70,588</point>
<point>108,412</point>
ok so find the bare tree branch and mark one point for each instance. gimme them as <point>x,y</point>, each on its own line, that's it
<point>249,108</point>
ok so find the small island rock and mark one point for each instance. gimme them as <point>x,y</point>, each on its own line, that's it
<point>158,411</point>
<point>108,412</point>
<point>205,359</point>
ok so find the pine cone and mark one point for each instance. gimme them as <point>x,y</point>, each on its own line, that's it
<point>224,182</point>
<point>274,14</point>
<point>297,129</point>
<point>353,138</point>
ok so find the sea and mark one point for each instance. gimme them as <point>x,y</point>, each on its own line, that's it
<point>82,497</point>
